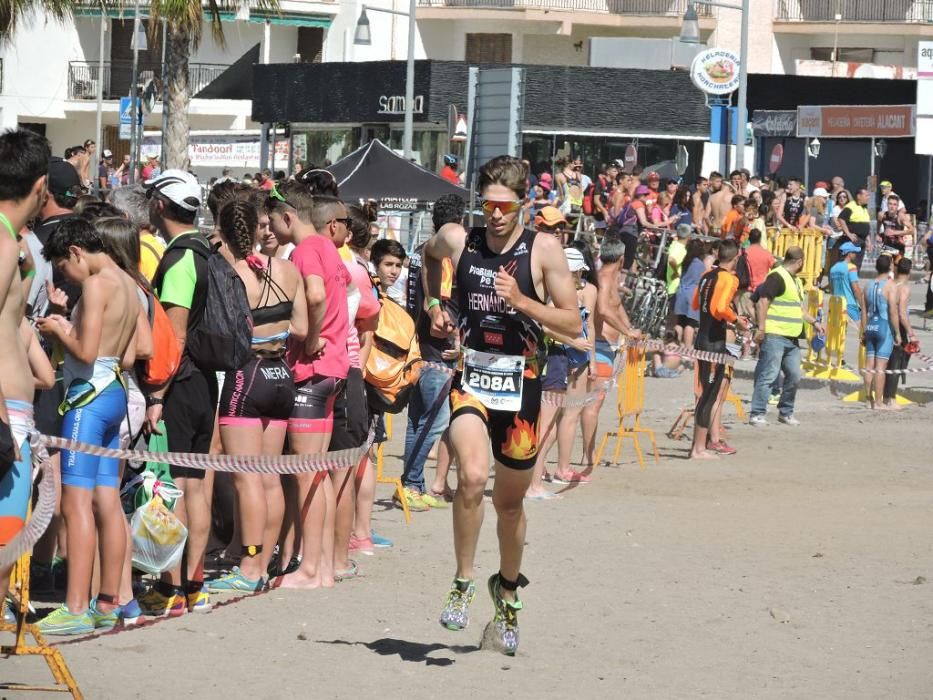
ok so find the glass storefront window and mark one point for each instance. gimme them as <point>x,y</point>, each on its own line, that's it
<point>329,145</point>
<point>427,145</point>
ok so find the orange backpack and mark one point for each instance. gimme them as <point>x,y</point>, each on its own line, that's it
<point>159,369</point>
<point>393,367</point>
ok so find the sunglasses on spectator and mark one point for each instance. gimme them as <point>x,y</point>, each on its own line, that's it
<point>346,221</point>
<point>555,229</point>
<point>507,207</point>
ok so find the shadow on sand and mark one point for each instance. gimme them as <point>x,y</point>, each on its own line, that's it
<point>413,652</point>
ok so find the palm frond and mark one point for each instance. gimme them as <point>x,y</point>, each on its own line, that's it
<point>190,14</point>
<point>12,12</point>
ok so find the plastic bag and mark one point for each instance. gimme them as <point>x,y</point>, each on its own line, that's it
<point>158,537</point>
<point>155,479</point>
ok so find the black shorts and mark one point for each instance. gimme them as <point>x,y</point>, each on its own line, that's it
<point>687,322</point>
<point>188,413</point>
<point>630,239</point>
<point>259,393</point>
<point>351,416</point>
<point>313,410</point>
<point>514,436</point>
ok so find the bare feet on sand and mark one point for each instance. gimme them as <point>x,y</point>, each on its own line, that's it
<point>702,454</point>
<point>299,579</point>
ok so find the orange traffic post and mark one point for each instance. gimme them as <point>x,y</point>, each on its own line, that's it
<point>629,404</point>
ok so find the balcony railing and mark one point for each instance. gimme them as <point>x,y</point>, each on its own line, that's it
<point>666,8</point>
<point>852,11</point>
<point>84,77</point>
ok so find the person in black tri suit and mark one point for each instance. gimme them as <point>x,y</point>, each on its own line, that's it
<point>503,275</point>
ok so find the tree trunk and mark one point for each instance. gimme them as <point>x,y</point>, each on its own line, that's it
<point>178,51</point>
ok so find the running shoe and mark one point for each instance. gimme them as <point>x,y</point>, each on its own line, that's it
<point>413,499</point>
<point>774,399</point>
<point>506,618</point>
<point>293,565</point>
<point>62,621</point>
<point>199,601</point>
<point>103,620</point>
<point>130,613</point>
<point>788,420</point>
<point>380,542</point>
<point>721,448</point>
<point>758,421</point>
<point>8,615</point>
<point>234,581</point>
<point>456,614</point>
<point>362,546</point>
<point>433,501</point>
<point>154,604</point>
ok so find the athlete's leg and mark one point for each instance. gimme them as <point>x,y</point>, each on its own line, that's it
<point>470,443</point>
<point>441,489</point>
<point>244,437</point>
<point>547,436</point>
<point>507,493</point>
<point>710,377</point>
<point>345,496</point>
<point>78,512</point>
<point>365,498</point>
<point>567,425</point>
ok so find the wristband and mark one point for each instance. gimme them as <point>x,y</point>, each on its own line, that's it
<point>433,302</point>
<point>154,401</point>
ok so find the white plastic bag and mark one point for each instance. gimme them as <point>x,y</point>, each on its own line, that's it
<point>158,537</point>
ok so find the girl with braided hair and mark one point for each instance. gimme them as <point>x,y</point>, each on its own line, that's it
<point>257,398</point>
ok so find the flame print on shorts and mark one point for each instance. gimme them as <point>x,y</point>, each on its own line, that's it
<point>521,440</point>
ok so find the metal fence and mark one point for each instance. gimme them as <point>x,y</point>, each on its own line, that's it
<point>892,11</point>
<point>617,7</point>
<point>85,76</point>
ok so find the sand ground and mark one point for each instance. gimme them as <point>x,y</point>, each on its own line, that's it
<point>797,568</point>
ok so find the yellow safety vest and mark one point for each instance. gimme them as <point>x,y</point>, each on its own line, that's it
<point>785,314</point>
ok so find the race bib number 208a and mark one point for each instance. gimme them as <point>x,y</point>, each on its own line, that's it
<point>496,380</point>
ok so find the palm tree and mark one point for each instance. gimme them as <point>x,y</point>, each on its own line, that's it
<point>184,27</point>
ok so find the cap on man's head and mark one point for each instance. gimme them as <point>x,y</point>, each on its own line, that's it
<point>886,183</point>
<point>641,189</point>
<point>575,260</point>
<point>550,216</point>
<point>653,176</point>
<point>64,179</point>
<point>177,186</point>
<point>849,247</point>
<point>450,159</point>
<point>820,192</point>
<point>683,230</point>
<point>107,154</point>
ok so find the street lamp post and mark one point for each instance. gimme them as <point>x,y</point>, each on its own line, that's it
<point>690,34</point>
<point>363,37</point>
<point>813,151</point>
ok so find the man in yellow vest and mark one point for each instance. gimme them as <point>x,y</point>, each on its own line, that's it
<point>781,306</point>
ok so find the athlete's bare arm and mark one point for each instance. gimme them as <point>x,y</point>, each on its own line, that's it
<point>315,296</point>
<point>298,324</point>
<point>11,313</point>
<point>609,305</point>
<point>903,311</point>
<point>446,243</point>
<point>548,264</point>
<point>43,373</point>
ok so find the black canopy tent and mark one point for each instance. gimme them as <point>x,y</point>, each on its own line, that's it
<point>375,171</point>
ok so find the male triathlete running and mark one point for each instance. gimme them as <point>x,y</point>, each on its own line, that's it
<point>503,275</point>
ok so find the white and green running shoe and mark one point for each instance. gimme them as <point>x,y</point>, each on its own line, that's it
<point>505,622</point>
<point>456,614</point>
<point>62,621</point>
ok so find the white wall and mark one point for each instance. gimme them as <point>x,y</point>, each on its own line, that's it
<point>890,49</point>
<point>389,34</point>
<point>241,37</point>
<point>35,69</point>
